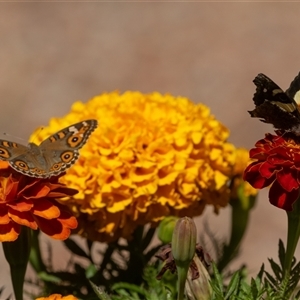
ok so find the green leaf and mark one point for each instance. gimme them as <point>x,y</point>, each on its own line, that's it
<point>124,287</point>
<point>276,269</point>
<point>254,288</point>
<point>90,271</point>
<point>217,284</point>
<point>281,253</point>
<point>99,292</point>
<point>74,248</point>
<point>271,279</point>
<point>261,272</point>
<point>233,285</point>
<point>218,278</point>
<point>49,277</point>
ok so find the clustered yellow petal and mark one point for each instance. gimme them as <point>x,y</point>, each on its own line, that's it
<point>242,161</point>
<point>152,155</point>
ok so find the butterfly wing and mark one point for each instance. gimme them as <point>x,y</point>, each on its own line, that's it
<point>20,157</point>
<point>273,105</point>
<point>10,150</point>
<point>294,90</point>
<point>60,150</point>
<point>53,156</point>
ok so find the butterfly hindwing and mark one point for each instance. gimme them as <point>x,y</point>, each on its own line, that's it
<point>275,106</point>
<point>10,150</point>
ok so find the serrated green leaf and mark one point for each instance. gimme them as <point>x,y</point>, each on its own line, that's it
<point>271,279</point>
<point>276,269</point>
<point>233,285</point>
<point>261,272</point>
<point>99,292</point>
<point>254,287</point>
<point>218,279</point>
<point>281,253</point>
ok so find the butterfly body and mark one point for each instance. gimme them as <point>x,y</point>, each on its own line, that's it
<point>53,156</point>
<point>273,105</point>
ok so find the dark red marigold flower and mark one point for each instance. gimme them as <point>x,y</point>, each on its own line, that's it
<point>32,202</point>
<point>277,164</point>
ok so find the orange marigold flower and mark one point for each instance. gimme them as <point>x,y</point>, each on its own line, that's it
<point>277,164</point>
<point>152,155</point>
<point>57,297</point>
<point>32,202</point>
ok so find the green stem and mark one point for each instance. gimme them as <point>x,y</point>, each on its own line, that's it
<point>240,212</point>
<point>35,257</point>
<point>182,275</point>
<point>293,236</point>
<point>17,255</point>
<point>136,261</point>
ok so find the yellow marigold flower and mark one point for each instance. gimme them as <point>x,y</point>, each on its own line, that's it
<point>242,161</point>
<point>152,155</point>
<point>57,297</point>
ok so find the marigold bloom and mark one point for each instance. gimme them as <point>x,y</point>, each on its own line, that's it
<point>57,297</point>
<point>277,163</point>
<point>152,155</point>
<point>242,161</point>
<point>32,202</point>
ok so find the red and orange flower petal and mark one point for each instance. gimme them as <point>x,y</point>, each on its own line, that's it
<point>46,209</point>
<point>32,202</point>
<point>279,197</point>
<point>9,232</point>
<point>277,164</point>
<point>22,218</point>
<point>252,175</point>
<point>267,170</point>
<point>57,297</point>
<point>59,228</point>
<point>287,178</point>
<point>4,218</point>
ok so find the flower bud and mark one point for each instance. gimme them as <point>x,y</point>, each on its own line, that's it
<point>183,250</point>
<point>199,288</point>
<point>184,241</point>
<point>166,228</point>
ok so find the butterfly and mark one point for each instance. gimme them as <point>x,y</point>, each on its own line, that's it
<point>53,156</point>
<point>273,105</point>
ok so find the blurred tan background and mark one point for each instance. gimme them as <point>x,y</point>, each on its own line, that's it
<point>52,54</point>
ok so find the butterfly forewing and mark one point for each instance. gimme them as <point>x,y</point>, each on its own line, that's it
<point>275,106</point>
<point>53,156</point>
<point>294,90</point>
<point>74,136</point>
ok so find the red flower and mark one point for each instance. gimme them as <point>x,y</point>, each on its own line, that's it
<point>32,202</point>
<point>277,163</point>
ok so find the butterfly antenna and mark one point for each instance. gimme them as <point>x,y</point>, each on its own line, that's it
<point>13,136</point>
<point>282,134</point>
